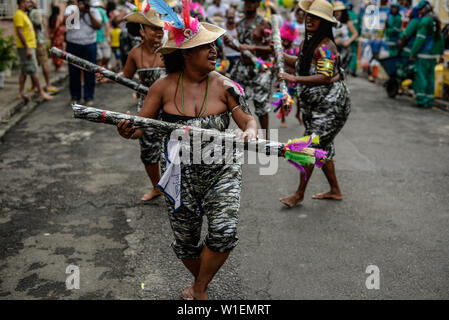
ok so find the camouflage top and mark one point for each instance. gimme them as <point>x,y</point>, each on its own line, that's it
<point>219,122</point>
<point>147,77</point>
<point>244,30</point>
<point>325,109</point>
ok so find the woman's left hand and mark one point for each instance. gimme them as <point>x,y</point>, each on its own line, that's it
<point>336,78</point>
<point>287,77</point>
<point>247,135</point>
<point>346,44</point>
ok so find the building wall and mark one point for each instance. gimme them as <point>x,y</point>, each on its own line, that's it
<point>441,7</point>
<point>8,7</point>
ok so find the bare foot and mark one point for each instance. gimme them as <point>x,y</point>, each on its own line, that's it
<point>329,195</point>
<point>186,294</point>
<point>197,295</point>
<point>151,195</point>
<point>23,96</point>
<point>283,124</point>
<point>292,200</point>
<point>189,294</point>
<point>51,89</point>
<point>46,96</point>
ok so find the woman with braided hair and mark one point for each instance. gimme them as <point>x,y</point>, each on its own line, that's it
<point>323,94</point>
<point>148,65</point>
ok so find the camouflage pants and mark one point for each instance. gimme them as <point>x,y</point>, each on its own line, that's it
<point>150,147</point>
<point>257,86</point>
<point>213,191</point>
<point>150,143</point>
<point>325,110</point>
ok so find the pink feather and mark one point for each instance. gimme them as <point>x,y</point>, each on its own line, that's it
<point>320,154</point>
<point>299,167</point>
<point>194,26</point>
<point>279,115</point>
<point>186,13</point>
<point>240,88</point>
<point>319,164</point>
<point>299,145</point>
<point>178,34</point>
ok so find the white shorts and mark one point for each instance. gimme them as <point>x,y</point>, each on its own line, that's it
<point>103,50</point>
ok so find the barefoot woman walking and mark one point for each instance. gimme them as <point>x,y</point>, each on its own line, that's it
<point>148,65</point>
<point>325,104</point>
<point>194,94</point>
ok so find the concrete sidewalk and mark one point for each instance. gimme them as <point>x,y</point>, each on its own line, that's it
<point>438,103</point>
<point>13,109</point>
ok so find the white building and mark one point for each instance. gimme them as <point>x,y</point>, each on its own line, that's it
<point>8,7</point>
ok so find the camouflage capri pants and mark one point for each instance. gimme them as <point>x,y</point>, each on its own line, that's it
<point>150,147</point>
<point>325,110</point>
<point>213,191</point>
<point>150,143</point>
<point>257,86</point>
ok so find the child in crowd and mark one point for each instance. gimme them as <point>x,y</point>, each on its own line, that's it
<point>115,44</point>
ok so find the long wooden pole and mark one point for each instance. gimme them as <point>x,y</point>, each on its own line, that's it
<point>247,53</point>
<point>110,117</point>
<point>279,53</point>
<point>92,67</point>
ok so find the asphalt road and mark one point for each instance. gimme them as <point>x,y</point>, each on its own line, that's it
<point>70,190</point>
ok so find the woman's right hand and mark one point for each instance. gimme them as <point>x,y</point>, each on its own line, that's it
<point>287,77</point>
<point>101,78</point>
<point>125,132</point>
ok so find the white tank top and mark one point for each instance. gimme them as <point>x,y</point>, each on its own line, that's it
<point>341,33</point>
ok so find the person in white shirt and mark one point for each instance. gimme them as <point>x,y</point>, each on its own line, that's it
<point>231,31</point>
<point>299,18</point>
<point>216,9</point>
<point>82,42</point>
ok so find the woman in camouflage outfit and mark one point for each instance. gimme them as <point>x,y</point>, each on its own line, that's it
<point>148,65</point>
<point>194,94</point>
<point>325,102</point>
<point>257,84</point>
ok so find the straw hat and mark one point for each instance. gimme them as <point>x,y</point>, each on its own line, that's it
<point>185,33</point>
<point>339,5</point>
<point>319,8</point>
<point>172,3</point>
<point>207,33</point>
<point>150,17</point>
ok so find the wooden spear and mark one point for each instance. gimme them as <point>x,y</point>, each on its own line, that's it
<point>247,53</point>
<point>279,53</point>
<point>113,118</point>
<point>92,67</point>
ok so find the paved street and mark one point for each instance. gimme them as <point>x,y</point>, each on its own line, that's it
<point>70,195</point>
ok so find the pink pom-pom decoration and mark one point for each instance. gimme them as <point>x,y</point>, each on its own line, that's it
<point>289,32</point>
<point>320,154</point>
<point>197,8</point>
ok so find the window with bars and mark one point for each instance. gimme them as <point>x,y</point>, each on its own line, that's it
<point>7,9</point>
